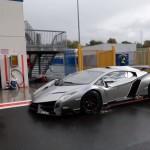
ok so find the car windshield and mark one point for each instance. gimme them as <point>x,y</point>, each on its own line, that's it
<point>82,77</point>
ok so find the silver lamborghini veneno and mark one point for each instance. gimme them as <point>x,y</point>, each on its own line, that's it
<point>87,91</point>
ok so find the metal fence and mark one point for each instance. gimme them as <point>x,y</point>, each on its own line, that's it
<point>44,39</point>
<point>98,58</point>
<point>89,59</point>
<point>142,58</point>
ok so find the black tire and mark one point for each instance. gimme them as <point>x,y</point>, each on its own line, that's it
<point>91,103</point>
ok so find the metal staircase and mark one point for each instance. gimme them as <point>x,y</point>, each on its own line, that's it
<point>30,36</point>
<point>45,62</point>
<point>42,46</point>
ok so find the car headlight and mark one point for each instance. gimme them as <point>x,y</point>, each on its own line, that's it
<point>64,97</point>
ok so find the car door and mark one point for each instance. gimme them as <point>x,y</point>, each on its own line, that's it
<point>121,83</point>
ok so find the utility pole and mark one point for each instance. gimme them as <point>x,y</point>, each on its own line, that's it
<point>80,54</point>
<point>78,21</point>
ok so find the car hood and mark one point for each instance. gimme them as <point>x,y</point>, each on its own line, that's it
<point>54,93</point>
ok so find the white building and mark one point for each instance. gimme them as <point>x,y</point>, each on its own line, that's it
<point>12,42</point>
<point>119,47</point>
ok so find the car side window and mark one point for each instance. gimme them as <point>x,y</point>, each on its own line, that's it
<point>118,76</point>
<point>130,74</point>
<point>99,82</point>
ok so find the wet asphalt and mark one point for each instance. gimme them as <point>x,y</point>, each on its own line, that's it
<point>8,96</point>
<point>120,128</point>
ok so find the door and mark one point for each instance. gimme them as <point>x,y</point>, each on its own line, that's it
<point>119,86</point>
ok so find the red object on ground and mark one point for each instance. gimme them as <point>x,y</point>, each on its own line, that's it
<point>44,78</point>
<point>14,104</point>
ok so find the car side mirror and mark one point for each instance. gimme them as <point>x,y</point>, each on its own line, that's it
<point>58,82</point>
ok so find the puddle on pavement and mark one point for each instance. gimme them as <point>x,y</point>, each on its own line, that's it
<point>21,94</point>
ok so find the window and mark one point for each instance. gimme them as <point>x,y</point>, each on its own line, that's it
<point>99,82</point>
<point>119,75</point>
<point>83,77</point>
<point>129,74</point>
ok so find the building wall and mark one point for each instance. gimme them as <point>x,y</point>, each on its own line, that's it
<point>119,47</point>
<point>12,36</point>
<point>128,49</point>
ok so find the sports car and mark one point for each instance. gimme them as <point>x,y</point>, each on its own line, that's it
<point>89,90</point>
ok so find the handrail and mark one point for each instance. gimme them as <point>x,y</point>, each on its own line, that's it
<point>44,39</point>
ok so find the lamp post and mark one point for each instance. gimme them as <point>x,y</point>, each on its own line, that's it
<point>78,21</point>
<point>80,55</point>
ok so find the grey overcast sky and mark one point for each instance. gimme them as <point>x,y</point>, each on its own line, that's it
<point>99,19</point>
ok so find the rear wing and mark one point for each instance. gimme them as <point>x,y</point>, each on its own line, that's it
<point>142,68</point>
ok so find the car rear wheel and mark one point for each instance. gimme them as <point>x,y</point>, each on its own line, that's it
<point>91,103</point>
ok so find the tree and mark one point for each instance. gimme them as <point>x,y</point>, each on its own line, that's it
<point>69,43</point>
<point>126,42</point>
<point>93,42</point>
<point>72,44</point>
<point>138,45</point>
<point>75,44</point>
<point>146,44</point>
<point>111,40</point>
<point>87,44</point>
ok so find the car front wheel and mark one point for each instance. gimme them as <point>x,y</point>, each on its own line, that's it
<point>91,103</point>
